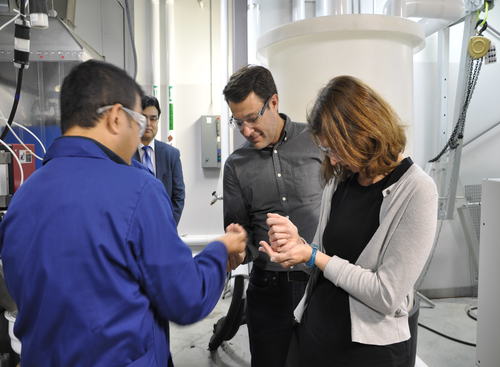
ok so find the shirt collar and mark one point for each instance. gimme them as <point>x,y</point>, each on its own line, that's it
<point>80,146</point>
<point>151,144</point>
<point>396,175</point>
<point>285,133</point>
<point>287,129</point>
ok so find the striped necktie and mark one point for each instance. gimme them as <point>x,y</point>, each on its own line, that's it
<point>146,159</point>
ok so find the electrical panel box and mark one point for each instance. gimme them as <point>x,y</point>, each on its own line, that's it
<point>10,173</point>
<point>210,141</point>
<point>27,163</point>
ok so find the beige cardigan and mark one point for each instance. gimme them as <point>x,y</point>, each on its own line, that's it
<point>380,284</point>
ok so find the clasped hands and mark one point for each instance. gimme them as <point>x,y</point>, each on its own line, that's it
<point>235,241</point>
<point>286,246</point>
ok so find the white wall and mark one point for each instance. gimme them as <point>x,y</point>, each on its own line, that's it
<point>197,91</point>
<point>144,16</point>
<point>194,95</point>
<point>450,267</point>
<point>142,35</point>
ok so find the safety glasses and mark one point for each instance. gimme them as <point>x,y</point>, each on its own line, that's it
<point>325,150</point>
<point>136,116</point>
<point>239,123</point>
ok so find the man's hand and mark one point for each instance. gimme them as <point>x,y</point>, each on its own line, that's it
<point>234,260</point>
<point>281,231</point>
<point>235,240</point>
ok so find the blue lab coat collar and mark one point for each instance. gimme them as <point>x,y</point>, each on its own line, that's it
<point>80,146</point>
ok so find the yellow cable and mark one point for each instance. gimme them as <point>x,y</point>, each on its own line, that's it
<point>486,7</point>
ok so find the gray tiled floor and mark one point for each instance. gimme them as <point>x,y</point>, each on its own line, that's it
<point>189,344</point>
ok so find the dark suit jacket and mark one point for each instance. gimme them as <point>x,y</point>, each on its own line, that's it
<point>169,171</point>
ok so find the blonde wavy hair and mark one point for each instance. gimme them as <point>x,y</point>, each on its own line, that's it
<point>359,126</point>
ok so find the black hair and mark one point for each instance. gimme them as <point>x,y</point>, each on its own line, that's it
<point>91,85</point>
<point>250,78</point>
<point>150,101</point>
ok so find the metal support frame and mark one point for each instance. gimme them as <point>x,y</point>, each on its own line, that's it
<point>485,131</point>
<point>438,171</point>
<point>426,300</point>
<point>447,170</point>
<point>494,32</point>
<point>444,72</point>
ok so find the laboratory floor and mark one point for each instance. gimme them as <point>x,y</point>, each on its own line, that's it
<point>189,344</point>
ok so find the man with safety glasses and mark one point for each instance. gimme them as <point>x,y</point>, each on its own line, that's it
<point>89,244</point>
<point>276,171</point>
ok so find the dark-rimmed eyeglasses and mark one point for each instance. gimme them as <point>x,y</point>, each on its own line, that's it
<point>234,122</point>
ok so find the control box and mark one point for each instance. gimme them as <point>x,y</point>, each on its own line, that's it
<point>210,141</point>
<point>27,162</point>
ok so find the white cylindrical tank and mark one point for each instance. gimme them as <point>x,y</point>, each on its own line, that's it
<point>303,56</point>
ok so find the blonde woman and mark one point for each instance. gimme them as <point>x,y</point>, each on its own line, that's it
<point>376,228</point>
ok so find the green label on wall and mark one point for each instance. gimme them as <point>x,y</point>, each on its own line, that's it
<point>170,116</point>
<point>170,108</point>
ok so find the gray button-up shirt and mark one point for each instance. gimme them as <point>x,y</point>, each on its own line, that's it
<point>283,179</point>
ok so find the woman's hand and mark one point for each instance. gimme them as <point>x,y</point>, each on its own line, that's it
<point>282,231</point>
<point>287,255</point>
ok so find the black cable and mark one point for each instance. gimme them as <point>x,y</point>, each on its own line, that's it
<point>473,70</point>
<point>132,41</point>
<point>17,97</point>
<point>447,336</point>
<point>21,59</point>
<point>227,326</point>
<point>469,312</point>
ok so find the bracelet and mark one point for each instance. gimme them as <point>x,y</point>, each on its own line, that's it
<point>312,259</point>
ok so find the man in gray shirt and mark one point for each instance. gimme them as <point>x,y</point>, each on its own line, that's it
<point>276,171</point>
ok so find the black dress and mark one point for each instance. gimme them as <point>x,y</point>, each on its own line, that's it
<point>324,334</point>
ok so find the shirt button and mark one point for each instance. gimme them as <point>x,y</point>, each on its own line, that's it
<point>279,174</point>
<point>283,198</point>
<point>275,151</point>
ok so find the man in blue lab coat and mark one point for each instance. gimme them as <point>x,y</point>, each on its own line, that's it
<point>89,244</point>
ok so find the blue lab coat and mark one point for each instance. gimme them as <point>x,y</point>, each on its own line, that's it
<point>93,260</point>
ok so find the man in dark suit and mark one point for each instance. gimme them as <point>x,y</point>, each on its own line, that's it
<point>161,159</point>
